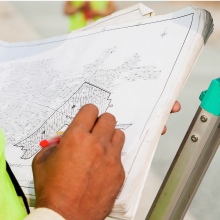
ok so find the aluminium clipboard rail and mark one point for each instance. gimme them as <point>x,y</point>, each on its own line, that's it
<point>192,159</point>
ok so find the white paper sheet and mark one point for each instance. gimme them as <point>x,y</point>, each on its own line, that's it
<point>128,70</point>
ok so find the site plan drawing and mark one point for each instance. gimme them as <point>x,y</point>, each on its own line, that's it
<point>96,89</point>
<point>130,70</point>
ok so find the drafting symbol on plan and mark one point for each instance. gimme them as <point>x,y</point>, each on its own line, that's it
<point>164,33</point>
<point>96,89</point>
<point>34,90</point>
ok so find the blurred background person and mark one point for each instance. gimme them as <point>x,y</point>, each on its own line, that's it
<point>82,13</point>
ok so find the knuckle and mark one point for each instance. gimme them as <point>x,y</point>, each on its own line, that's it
<point>77,136</point>
<point>113,162</point>
<point>91,107</point>
<point>120,134</point>
<point>99,149</point>
<point>109,117</point>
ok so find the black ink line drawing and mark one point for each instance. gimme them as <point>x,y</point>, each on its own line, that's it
<point>97,87</point>
<point>164,33</point>
<point>191,14</point>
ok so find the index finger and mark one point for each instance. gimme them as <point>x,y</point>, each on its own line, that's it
<point>85,118</point>
<point>118,141</point>
<point>105,127</point>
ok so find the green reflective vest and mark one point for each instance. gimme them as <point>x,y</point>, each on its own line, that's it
<point>11,206</point>
<point>78,20</point>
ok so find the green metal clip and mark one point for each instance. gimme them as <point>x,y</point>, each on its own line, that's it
<point>210,99</point>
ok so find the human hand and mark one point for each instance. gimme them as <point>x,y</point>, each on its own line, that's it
<point>81,177</point>
<point>176,108</point>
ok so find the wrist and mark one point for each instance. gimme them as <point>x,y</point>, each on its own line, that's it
<point>44,214</point>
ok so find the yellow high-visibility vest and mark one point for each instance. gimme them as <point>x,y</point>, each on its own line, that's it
<point>78,20</point>
<point>11,206</point>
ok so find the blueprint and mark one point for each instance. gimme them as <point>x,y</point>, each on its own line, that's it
<point>126,70</point>
<point>36,117</point>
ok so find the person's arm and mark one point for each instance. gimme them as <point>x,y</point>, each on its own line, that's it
<point>109,10</point>
<point>70,9</point>
<point>81,177</point>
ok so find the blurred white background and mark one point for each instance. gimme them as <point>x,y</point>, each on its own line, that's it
<point>25,21</point>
